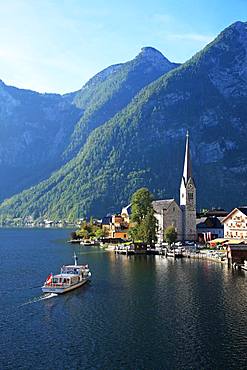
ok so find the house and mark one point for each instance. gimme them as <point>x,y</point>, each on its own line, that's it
<point>209,228</point>
<point>126,213</point>
<point>237,253</point>
<point>116,227</point>
<point>235,224</point>
<point>119,227</point>
<point>106,224</point>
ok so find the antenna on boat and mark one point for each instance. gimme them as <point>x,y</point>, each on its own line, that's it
<point>75,258</point>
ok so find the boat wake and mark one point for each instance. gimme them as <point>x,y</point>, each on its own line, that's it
<point>40,298</point>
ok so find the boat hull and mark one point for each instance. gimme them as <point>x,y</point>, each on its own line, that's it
<point>61,290</point>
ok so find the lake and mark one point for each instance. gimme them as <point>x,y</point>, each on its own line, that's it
<point>138,312</point>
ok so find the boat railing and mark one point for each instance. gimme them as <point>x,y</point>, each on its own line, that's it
<point>57,285</point>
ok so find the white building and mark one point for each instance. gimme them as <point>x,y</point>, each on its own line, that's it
<point>183,217</point>
<point>235,224</point>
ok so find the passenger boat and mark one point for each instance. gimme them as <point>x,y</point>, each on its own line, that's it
<point>70,277</point>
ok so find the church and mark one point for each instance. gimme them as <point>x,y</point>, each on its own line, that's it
<point>183,216</point>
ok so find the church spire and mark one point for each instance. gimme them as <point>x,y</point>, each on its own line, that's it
<point>187,173</point>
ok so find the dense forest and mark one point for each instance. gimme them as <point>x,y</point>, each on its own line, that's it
<point>142,145</point>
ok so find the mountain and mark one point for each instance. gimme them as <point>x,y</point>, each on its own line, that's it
<point>143,144</point>
<point>35,130</point>
<point>112,89</point>
<point>40,132</point>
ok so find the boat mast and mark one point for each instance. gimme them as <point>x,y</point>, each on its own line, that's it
<point>75,258</point>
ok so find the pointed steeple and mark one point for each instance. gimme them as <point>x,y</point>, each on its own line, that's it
<point>187,173</point>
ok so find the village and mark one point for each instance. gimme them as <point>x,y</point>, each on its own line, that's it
<point>215,234</point>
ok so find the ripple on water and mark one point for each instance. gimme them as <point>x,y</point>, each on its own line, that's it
<point>137,313</point>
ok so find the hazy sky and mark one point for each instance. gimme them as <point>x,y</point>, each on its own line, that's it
<point>57,45</point>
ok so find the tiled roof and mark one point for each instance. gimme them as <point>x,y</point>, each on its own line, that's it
<point>200,220</point>
<point>210,223</point>
<point>163,204</point>
<point>106,220</point>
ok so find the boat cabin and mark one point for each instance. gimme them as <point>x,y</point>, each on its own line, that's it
<point>65,279</point>
<point>73,269</point>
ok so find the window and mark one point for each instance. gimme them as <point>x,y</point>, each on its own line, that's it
<point>190,196</point>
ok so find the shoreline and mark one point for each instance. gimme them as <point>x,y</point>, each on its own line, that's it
<point>199,256</point>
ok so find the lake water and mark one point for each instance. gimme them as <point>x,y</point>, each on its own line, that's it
<point>145,312</point>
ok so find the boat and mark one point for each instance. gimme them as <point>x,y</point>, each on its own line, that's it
<point>175,253</point>
<point>88,243</point>
<point>70,277</point>
<point>170,253</point>
<point>244,266</point>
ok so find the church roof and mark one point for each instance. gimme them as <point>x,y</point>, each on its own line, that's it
<point>127,209</point>
<point>187,172</point>
<point>163,204</point>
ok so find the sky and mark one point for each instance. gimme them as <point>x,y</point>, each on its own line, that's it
<point>57,45</point>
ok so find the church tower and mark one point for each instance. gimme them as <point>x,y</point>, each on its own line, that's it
<point>188,197</point>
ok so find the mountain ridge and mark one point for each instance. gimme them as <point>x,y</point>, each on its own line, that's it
<point>116,86</point>
<point>143,144</point>
<point>37,129</point>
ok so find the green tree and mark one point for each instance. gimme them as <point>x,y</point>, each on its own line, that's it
<point>149,227</point>
<point>91,221</point>
<point>89,230</point>
<point>145,224</point>
<point>170,234</point>
<point>100,233</point>
<point>141,204</point>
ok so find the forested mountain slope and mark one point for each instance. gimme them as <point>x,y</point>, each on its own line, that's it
<point>41,132</point>
<point>112,89</point>
<point>35,129</point>
<point>143,145</point>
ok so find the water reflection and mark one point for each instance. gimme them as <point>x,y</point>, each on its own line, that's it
<point>139,312</point>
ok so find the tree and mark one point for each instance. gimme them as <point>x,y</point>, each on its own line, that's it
<point>149,227</point>
<point>145,224</point>
<point>89,230</point>
<point>73,235</point>
<point>83,233</point>
<point>170,234</point>
<point>141,204</point>
<point>100,233</point>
